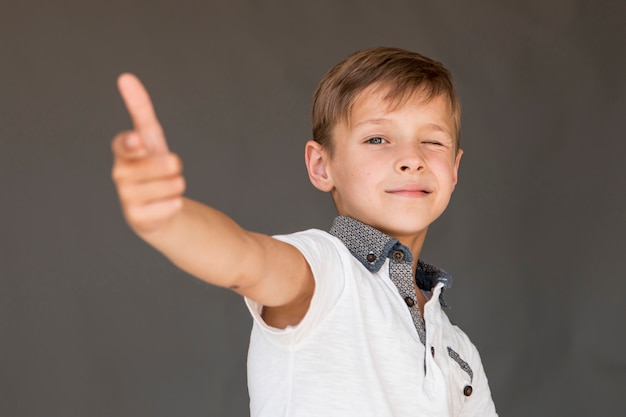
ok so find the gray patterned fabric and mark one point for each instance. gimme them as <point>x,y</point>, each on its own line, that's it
<point>464,365</point>
<point>400,272</point>
<point>371,247</point>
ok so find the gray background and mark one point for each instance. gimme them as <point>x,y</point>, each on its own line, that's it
<point>95,323</point>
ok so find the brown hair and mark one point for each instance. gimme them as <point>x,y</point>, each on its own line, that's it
<point>399,72</point>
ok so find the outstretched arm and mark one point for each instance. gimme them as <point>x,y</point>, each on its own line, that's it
<point>199,239</point>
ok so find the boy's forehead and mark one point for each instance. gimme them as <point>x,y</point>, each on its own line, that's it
<point>376,101</point>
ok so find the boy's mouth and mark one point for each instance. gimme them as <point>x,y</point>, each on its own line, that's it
<point>410,190</point>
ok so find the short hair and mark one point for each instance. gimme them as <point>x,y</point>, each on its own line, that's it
<point>400,73</point>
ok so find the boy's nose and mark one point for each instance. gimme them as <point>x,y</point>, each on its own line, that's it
<point>409,166</point>
<point>410,160</point>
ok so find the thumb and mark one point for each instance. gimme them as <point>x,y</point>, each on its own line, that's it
<point>129,145</point>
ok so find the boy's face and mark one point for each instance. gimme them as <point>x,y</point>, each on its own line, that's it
<point>394,168</point>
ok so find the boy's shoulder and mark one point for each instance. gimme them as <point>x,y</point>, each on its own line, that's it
<point>364,244</point>
<point>316,245</point>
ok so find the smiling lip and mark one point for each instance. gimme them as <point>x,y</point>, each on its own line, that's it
<point>410,191</point>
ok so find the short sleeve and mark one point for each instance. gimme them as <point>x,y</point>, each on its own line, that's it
<point>325,256</point>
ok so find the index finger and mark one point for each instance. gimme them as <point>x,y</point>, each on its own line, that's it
<point>142,113</point>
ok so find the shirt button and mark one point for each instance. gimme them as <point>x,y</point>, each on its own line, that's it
<point>409,301</point>
<point>398,255</point>
<point>370,257</point>
<point>467,391</point>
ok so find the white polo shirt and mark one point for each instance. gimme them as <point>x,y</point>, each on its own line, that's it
<point>357,351</point>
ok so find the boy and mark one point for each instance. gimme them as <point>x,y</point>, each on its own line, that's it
<point>350,322</point>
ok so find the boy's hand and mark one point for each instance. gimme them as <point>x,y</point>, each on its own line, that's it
<point>150,187</point>
<point>147,175</point>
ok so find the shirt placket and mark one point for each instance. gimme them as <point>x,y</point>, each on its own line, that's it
<point>401,274</point>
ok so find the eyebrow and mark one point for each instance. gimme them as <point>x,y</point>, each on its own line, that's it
<point>381,120</point>
<point>376,121</point>
<point>438,128</point>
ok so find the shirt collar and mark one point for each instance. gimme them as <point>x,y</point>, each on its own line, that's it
<point>371,247</point>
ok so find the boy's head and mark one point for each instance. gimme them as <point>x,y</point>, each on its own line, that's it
<point>385,126</point>
<point>399,73</point>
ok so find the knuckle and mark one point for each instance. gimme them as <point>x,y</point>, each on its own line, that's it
<point>134,215</point>
<point>183,184</point>
<point>139,217</point>
<point>161,166</point>
<point>179,185</point>
<point>174,164</point>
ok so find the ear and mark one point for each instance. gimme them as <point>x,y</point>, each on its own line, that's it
<point>457,162</point>
<point>316,159</point>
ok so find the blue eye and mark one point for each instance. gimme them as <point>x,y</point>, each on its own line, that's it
<point>377,140</point>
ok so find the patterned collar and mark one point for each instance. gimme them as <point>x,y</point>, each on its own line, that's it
<point>371,247</point>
